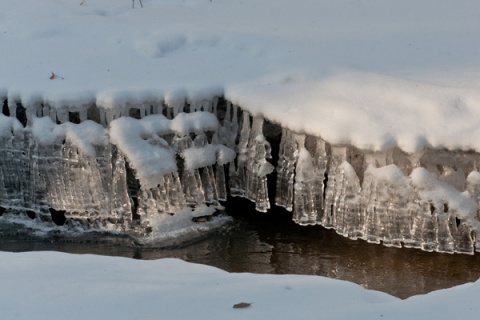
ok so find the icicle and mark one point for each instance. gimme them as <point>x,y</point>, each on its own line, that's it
<point>220,181</point>
<point>286,170</point>
<point>191,184</point>
<point>385,198</point>
<point>249,178</point>
<point>464,238</point>
<point>157,108</point>
<point>109,116</point>
<point>143,112</point>
<point>348,206</point>
<point>215,105</point>
<point>234,128</point>
<point>120,200</point>
<point>238,175</point>
<point>192,187</point>
<point>169,113</point>
<point>304,212</point>
<point>320,162</point>
<point>33,111</point>
<point>334,186</point>
<point>53,115</point>
<point>103,118</point>
<point>46,110</point>
<point>176,198</point>
<point>62,115</point>
<point>445,240</point>
<point>473,189</point>
<point>209,185</point>
<point>259,167</point>
<point>83,114</point>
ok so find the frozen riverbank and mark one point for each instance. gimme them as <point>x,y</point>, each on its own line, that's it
<point>374,74</point>
<point>377,104</point>
<point>47,285</point>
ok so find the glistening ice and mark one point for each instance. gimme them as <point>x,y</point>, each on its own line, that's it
<point>158,172</point>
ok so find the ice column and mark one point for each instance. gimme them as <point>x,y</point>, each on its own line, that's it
<point>341,194</point>
<point>14,170</point>
<point>249,178</point>
<point>191,180</point>
<point>304,212</point>
<point>385,214</point>
<point>448,220</point>
<point>227,134</point>
<point>166,198</point>
<point>58,169</point>
<point>309,181</point>
<point>238,173</point>
<point>178,163</point>
<point>288,154</point>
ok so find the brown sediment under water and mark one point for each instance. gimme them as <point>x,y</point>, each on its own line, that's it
<point>272,243</point>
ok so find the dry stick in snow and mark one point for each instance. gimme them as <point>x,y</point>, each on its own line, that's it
<point>242,305</point>
<point>55,76</point>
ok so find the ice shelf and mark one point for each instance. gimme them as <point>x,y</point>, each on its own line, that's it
<point>163,169</point>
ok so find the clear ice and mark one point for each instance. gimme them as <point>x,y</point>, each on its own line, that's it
<point>156,162</point>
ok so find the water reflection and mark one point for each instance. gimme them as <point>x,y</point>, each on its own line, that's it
<point>271,243</point>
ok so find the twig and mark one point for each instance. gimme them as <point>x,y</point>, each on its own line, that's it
<point>54,76</point>
<point>242,305</point>
<point>133,3</point>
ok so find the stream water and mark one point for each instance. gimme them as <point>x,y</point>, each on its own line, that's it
<point>272,243</point>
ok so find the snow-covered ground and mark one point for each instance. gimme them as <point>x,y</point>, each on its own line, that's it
<point>49,285</point>
<point>374,73</point>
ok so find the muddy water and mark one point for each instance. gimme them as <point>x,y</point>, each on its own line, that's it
<point>271,243</point>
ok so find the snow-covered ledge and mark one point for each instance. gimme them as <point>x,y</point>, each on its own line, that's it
<point>158,171</point>
<point>368,109</point>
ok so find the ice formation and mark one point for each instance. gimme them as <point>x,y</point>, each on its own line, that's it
<point>117,172</point>
<point>147,169</point>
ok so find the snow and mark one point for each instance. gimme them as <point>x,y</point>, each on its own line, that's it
<point>9,126</point>
<point>201,157</point>
<point>50,285</point>
<point>375,74</point>
<point>438,192</point>
<point>151,155</point>
<point>84,135</point>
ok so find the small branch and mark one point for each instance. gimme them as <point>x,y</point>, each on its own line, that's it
<point>133,3</point>
<point>54,76</point>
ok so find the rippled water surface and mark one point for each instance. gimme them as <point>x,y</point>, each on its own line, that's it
<point>271,243</point>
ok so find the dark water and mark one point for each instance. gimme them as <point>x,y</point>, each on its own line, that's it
<point>271,243</point>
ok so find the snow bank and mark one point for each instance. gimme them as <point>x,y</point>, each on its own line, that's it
<point>61,286</point>
<point>374,74</point>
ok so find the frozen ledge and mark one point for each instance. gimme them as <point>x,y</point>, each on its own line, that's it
<point>159,171</point>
